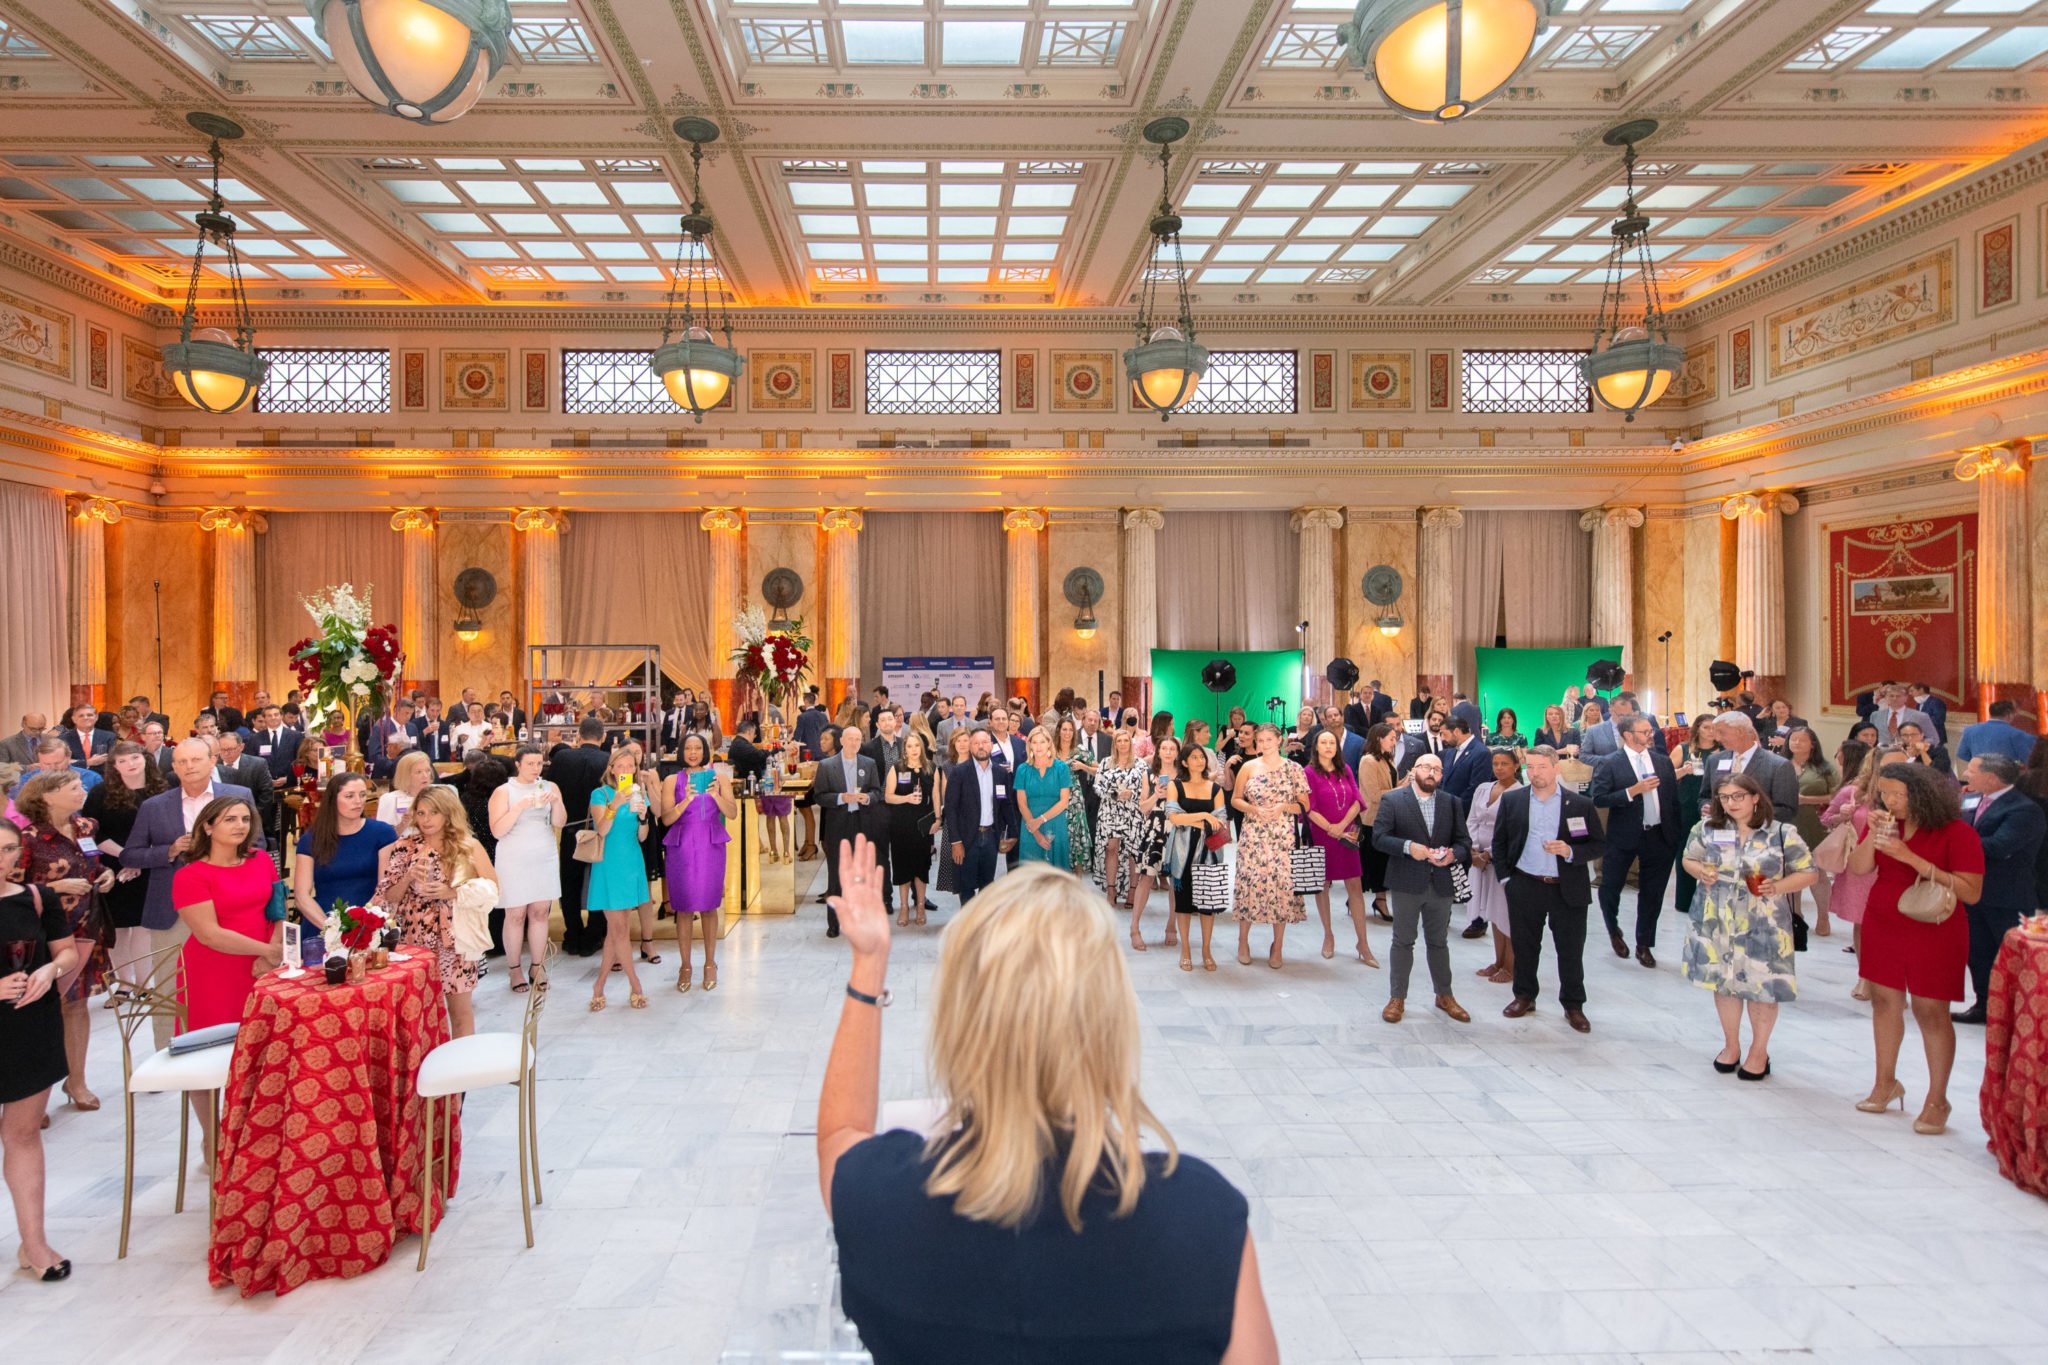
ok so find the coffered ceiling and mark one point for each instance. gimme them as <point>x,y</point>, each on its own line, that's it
<point>987,153</point>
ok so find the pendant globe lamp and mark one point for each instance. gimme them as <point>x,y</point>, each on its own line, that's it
<point>423,60</point>
<point>1631,363</point>
<point>1167,364</point>
<point>213,369</point>
<point>696,370</point>
<point>1439,60</point>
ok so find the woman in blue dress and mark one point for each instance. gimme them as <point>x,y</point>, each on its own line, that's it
<point>1045,787</point>
<point>338,858</point>
<point>618,879</point>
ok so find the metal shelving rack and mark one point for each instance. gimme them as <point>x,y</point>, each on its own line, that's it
<point>555,677</point>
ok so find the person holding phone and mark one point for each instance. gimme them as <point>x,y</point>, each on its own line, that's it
<point>618,879</point>
<point>693,809</point>
<point>527,815</point>
<point>37,951</point>
<point>1148,851</point>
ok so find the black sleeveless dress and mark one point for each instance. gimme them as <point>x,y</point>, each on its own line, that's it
<point>32,1037</point>
<point>925,1285</point>
<point>910,831</point>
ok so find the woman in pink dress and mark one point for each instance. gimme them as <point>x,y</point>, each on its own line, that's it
<point>222,896</point>
<point>1333,807</point>
<point>1850,892</point>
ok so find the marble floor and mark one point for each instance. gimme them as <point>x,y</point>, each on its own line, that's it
<point>1497,1190</point>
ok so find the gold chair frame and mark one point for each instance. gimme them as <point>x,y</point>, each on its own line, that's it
<point>134,1007</point>
<point>529,1128</point>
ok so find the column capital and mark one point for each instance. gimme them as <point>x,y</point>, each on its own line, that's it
<point>1442,518</point>
<point>1976,464</point>
<point>1317,518</point>
<point>722,519</point>
<point>413,519</point>
<point>842,519</point>
<point>1148,517</point>
<point>1744,504</point>
<point>1024,519</point>
<point>1594,517</point>
<point>233,519</point>
<point>85,507</point>
<point>539,519</point>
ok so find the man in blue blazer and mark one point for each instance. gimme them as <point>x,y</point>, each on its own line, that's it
<point>2011,827</point>
<point>1467,764</point>
<point>1638,788</point>
<point>1996,736</point>
<point>980,816</point>
<point>162,834</point>
<point>1934,708</point>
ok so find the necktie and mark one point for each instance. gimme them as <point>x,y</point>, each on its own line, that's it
<point>1891,725</point>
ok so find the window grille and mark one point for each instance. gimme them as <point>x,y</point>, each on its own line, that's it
<point>325,381</point>
<point>935,383</point>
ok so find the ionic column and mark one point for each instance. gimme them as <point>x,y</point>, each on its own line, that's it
<point>1140,608</point>
<point>724,525</point>
<point>90,518</point>
<point>234,531</point>
<point>842,526</point>
<point>1760,586</point>
<point>419,607</point>
<point>1024,592</point>
<point>1614,577</point>
<point>1316,551</point>
<point>1436,651</point>
<point>2005,597</point>
<point>540,564</point>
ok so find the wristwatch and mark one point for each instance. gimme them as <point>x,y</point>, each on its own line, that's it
<point>882,1001</point>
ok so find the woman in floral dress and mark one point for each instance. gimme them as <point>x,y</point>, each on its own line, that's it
<point>1120,783</point>
<point>1149,850</point>
<point>1068,749</point>
<point>417,890</point>
<point>1748,864</point>
<point>1270,791</point>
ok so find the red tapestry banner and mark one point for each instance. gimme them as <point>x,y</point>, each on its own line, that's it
<point>1903,598</point>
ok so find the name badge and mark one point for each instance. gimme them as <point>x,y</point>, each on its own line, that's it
<point>1000,793</point>
<point>1784,729</point>
<point>1721,836</point>
<point>1575,826</point>
<point>263,751</point>
<point>1414,727</point>
<point>88,846</point>
<point>1970,802</point>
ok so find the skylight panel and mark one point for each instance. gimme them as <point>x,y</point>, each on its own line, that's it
<point>962,274</point>
<point>1594,46</point>
<point>1568,227</point>
<point>547,165</point>
<point>455,222</point>
<point>1546,275</point>
<point>957,196</point>
<point>1321,168</point>
<point>1307,251</point>
<point>1919,47</point>
<point>1359,196</point>
<point>901,251</point>
<point>894,196</point>
<point>1399,225</point>
<point>1264,227</point>
<point>551,251</point>
<point>1030,251</point>
<point>1766,226</point>
<point>1213,196</point>
<point>1224,275</point>
<point>1035,225</point>
<point>835,251</point>
<point>1066,43</point>
<point>810,195</point>
<point>2007,51</point>
<point>495,191</point>
<point>1327,225</point>
<point>635,274</point>
<point>979,42</point>
<point>902,274</point>
<point>898,224</point>
<point>469,163</point>
<point>957,167</point>
<point>893,168</point>
<point>636,192</point>
<point>525,222</point>
<point>1201,225</point>
<point>300,270</point>
<point>964,225</point>
<point>595,224</point>
<point>1244,251</point>
<point>966,251</point>
<point>148,189</point>
<point>571,192</point>
<point>1836,47</point>
<point>1531,251</point>
<point>1433,196</point>
<point>616,251</point>
<point>1286,196</point>
<point>487,251</point>
<point>551,40</point>
<point>881,41</point>
<point>1371,251</point>
<point>1381,170</point>
<point>796,42</point>
<point>575,274</point>
<point>828,224</point>
<point>1693,227</point>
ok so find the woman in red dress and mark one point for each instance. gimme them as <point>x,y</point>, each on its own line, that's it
<point>223,896</point>
<point>1916,830</point>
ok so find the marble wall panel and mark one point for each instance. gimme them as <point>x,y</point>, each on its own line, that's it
<point>493,661</point>
<point>139,554</point>
<point>1077,540</point>
<point>1708,627</point>
<point>1660,598</point>
<point>1369,538</point>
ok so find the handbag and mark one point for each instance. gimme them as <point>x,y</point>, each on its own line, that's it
<point>589,846</point>
<point>1927,901</point>
<point>1831,854</point>
<point>1211,892</point>
<point>275,911</point>
<point>1306,863</point>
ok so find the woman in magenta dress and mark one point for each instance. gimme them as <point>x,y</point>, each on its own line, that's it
<point>1333,806</point>
<point>694,809</point>
<point>1916,830</point>
<point>222,896</point>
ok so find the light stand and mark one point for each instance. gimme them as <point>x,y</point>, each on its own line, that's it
<point>1670,707</point>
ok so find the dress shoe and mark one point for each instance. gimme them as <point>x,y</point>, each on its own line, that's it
<point>831,923</point>
<point>1518,1007</point>
<point>1449,1005</point>
<point>1476,929</point>
<point>1645,956</point>
<point>1743,1073</point>
<point>1972,1015</point>
<point>1620,944</point>
<point>1577,1019</point>
<point>1394,1010</point>
<point>1726,1068</point>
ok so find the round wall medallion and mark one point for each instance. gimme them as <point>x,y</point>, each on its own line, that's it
<point>1382,585</point>
<point>475,588</point>
<point>782,588</point>
<point>1083,587</point>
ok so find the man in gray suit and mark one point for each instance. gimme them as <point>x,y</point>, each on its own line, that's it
<point>162,834</point>
<point>1895,708</point>
<point>847,791</point>
<point>21,746</point>
<point>1740,753</point>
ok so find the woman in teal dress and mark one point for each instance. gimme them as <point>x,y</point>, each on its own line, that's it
<point>1080,762</point>
<point>618,879</point>
<point>1045,788</point>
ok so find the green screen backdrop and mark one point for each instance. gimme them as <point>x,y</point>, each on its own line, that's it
<point>1527,680</point>
<point>1261,675</point>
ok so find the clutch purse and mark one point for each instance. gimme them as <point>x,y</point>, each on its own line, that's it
<point>589,846</point>
<point>275,911</point>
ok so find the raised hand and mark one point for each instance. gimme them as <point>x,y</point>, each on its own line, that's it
<point>862,902</point>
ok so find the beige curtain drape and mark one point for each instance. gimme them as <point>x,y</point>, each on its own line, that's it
<point>1522,575</point>
<point>304,552</point>
<point>640,578</point>
<point>35,573</point>
<point>1227,581</point>
<point>931,583</point>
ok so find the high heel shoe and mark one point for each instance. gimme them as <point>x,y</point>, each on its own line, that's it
<point>1244,955</point>
<point>48,1274</point>
<point>1874,1105</point>
<point>711,976</point>
<point>1927,1127</point>
<point>683,979</point>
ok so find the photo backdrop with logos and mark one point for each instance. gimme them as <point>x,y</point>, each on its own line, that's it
<point>910,678</point>
<point>1527,680</point>
<point>1902,603</point>
<point>1262,674</point>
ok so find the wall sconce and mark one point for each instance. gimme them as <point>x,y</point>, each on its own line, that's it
<point>1976,464</point>
<point>475,589</point>
<point>781,590</point>
<point>1382,588</point>
<point>1083,588</point>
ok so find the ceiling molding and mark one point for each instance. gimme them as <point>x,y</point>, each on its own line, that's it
<point>53,271</point>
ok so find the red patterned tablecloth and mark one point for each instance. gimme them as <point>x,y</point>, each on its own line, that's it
<point>322,1163</point>
<point>2014,1098</point>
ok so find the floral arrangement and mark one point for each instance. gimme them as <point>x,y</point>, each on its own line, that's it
<point>349,663</point>
<point>356,927</point>
<point>776,661</point>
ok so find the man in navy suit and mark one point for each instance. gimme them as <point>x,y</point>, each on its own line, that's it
<point>1422,832</point>
<point>1544,840</point>
<point>2011,827</point>
<point>160,838</point>
<point>276,743</point>
<point>1007,751</point>
<point>1467,764</point>
<point>980,816</point>
<point>1638,788</point>
<point>390,736</point>
<point>88,743</point>
<point>1935,709</point>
